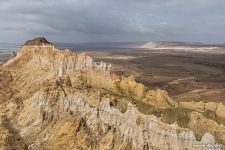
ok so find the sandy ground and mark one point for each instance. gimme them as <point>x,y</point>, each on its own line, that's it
<point>187,76</point>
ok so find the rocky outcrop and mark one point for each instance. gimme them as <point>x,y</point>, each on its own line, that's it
<point>37,41</point>
<point>139,130</point>
<point>65,100</point>
<point>217,108</point>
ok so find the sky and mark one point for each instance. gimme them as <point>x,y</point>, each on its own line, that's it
<point>75,21</point>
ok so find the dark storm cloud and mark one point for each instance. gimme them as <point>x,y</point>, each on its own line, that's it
<point>113,20</point>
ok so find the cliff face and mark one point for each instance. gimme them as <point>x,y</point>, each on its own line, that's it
<point>137,130</point>
<point>62,63</point>
<point>59,99</point>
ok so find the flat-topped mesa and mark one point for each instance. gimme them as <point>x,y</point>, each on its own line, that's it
<point>37,41</point>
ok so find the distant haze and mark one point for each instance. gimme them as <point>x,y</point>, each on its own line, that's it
<point>113,20</point>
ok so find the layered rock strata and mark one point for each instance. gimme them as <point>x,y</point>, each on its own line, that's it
<point>59,99</point>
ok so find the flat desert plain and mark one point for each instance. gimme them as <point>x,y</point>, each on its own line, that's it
<point>185,75</point>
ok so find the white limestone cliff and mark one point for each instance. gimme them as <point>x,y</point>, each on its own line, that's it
<point>142,131</point>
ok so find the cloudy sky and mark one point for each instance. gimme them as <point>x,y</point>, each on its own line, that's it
<point>113,20</point>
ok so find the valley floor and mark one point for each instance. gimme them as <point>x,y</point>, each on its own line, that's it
<point>186,76</point>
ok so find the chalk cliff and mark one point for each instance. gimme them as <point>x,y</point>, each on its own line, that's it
<point>60,99</point>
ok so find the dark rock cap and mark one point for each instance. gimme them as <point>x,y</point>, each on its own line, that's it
<point>37,41</point>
